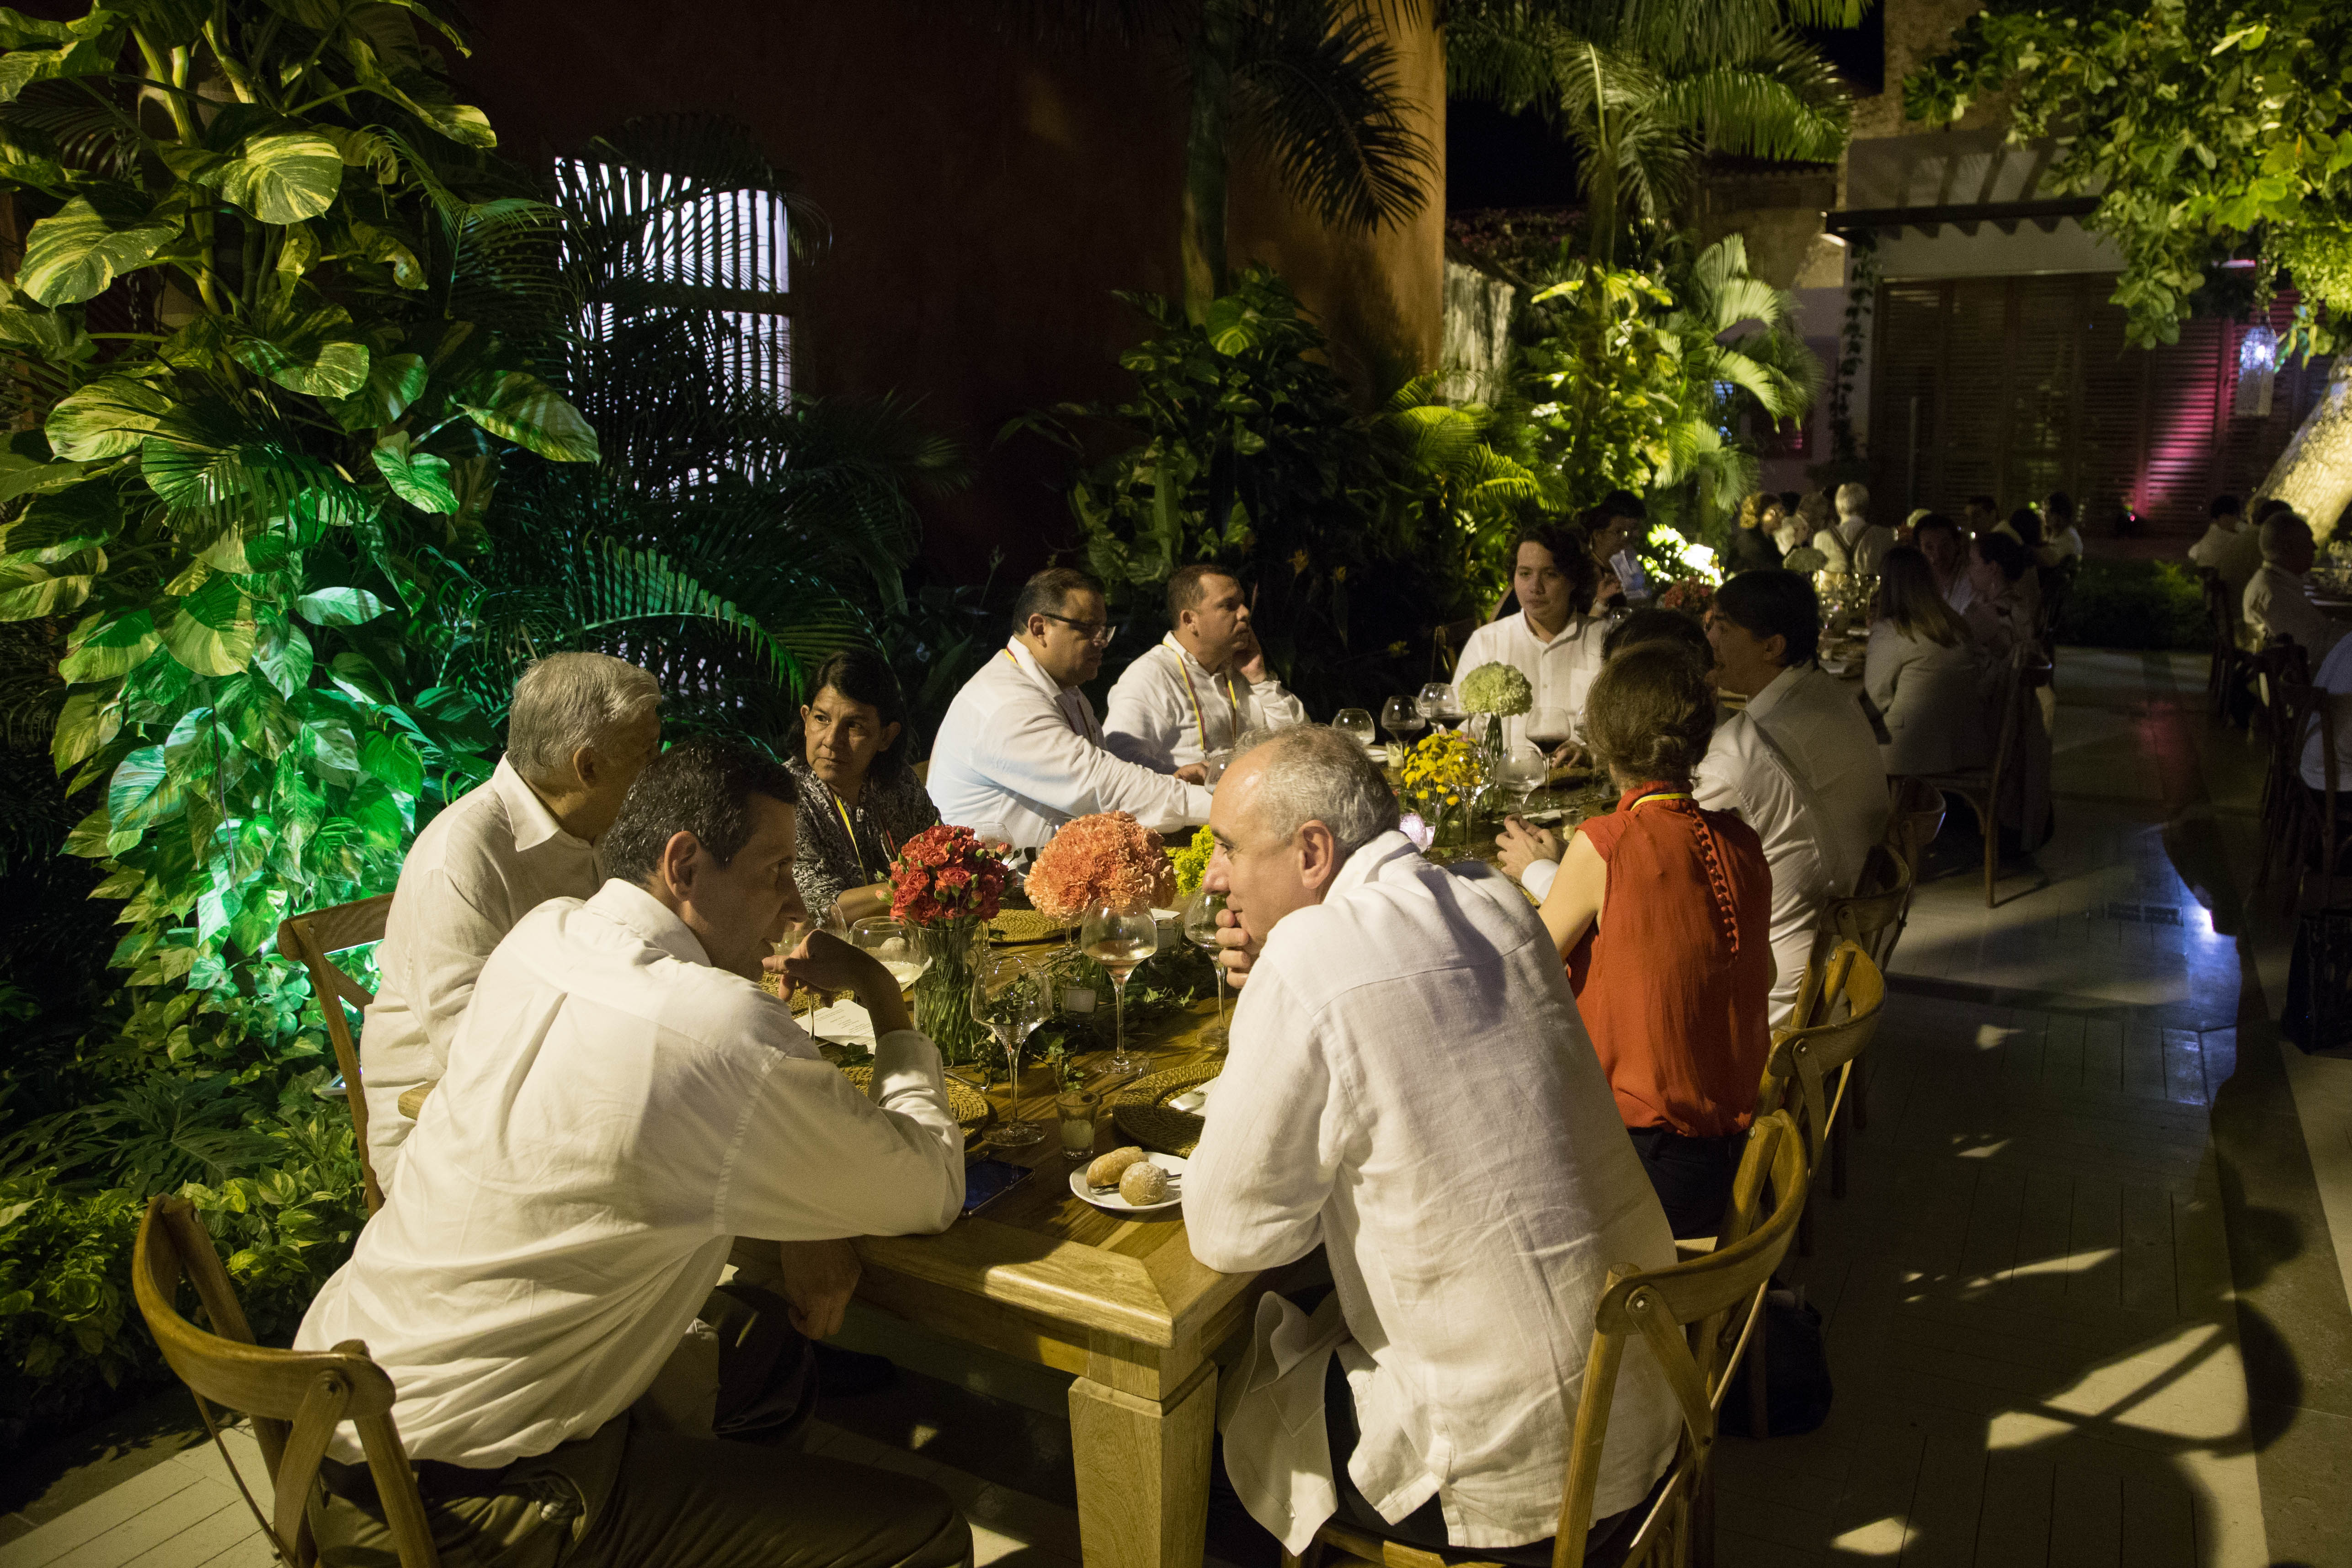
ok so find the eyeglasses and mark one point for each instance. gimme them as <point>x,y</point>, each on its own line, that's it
<point>1094,631</point>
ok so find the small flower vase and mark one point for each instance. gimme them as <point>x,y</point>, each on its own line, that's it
<point>943,993</point>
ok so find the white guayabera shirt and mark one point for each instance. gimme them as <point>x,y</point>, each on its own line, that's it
<point>1746,771</point>
<point>1559,670</point>
<point>496,853</point>
<point>1169,711</point>
<point>1409,1088</point>
<point>2278,604</point>
<point>1020,755</point>
<point>615,1112</point>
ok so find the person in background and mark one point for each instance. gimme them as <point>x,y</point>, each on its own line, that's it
<point>1553,639</point>
<point>1204,686</point>
<point>1750,546</point>
<point>859,800</point>
<point>2005,596</point>
<point>1908,533</point>
<point>623,1104</point>
<point>2023,525</point>
<point>2060,540</point>
<point>2334,679</point>
<point>2278,604</point>
<point>1815,511</point>
<point>1939,539</point>
<point>2223,527</point>
<point>1020,752</point>
<point>1664,913</point>
<point>1855,543</point>
<point>1617,523</point>
<point>580,728</point>
<point>1980,516</point>
<point>1921,672</point>
<point>1470,1202</point>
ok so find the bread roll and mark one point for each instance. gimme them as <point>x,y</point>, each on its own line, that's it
<point>1106,1169</point>
<point>1142,1183</point>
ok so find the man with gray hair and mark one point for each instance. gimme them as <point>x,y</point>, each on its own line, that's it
<point>2277,602</point>
<point>581,729</point>
<point>1409,1088</point>
<point>1855,543</point>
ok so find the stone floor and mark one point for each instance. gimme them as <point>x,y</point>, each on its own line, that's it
<point>2085,1299</point>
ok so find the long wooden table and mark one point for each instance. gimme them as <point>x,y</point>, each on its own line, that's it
<point>1045,1276</point>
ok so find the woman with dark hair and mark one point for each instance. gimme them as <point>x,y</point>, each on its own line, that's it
<point>1921,671</point>
<point>2007,599</point>
<point>1664,913</point>
<point>1750,546</point>
<point>859,800</point>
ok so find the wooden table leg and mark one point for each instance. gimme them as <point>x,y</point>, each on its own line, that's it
<point>1143,1472</point>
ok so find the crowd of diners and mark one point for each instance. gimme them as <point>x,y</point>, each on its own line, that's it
<point>620,1227</point>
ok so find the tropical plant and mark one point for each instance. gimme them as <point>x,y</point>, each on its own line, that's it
<point>1310,85</point>
<point>1644,90</point>
<point>2207,131</point>
<point>1742,350</point>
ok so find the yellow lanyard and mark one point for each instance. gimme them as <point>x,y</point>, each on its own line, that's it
<point>1661,796</point>
<point>1199,719</point>
<point>1073,724</point>
<point>850,827</point>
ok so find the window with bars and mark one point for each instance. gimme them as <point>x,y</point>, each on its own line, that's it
<point>672,242</point>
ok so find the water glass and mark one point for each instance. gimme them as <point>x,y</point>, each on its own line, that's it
<point>1438,703</point>
<point>1524,769</point>
<point>1356,723</point>
<point>1120,940</point>
<point>1201,930</point>
<point>1077,1109</point>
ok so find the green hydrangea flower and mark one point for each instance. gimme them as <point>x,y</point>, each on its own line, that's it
<point>1498,689</point>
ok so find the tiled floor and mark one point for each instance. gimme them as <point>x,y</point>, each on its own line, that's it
<point>2085,1300</point>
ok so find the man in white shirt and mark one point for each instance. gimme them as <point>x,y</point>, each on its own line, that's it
<point>2334,679</point>
<point>1020,752</point>
<point>622,1104</point>
<point>581,727</point>
<point>2060,540</point>
<point>1204,687</point>
<point>2223,527</point>
<point>1857,543</point>
<point>1470,1199</point>
<point>2277,602</point>
<point>1940,541</point>
<point>1550,639</point>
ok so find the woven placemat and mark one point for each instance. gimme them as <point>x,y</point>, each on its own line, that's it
<point>1011,928</point>
<point>1159,1087</point>
<point>1157,1128</point>
<point>969,1109</point>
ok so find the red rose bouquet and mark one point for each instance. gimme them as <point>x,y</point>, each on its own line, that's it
<point>943,874</point>
<point>1106,859</point>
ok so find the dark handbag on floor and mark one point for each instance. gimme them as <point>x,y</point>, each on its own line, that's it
<point>2318,1014</point>
<point>1796,1371</point>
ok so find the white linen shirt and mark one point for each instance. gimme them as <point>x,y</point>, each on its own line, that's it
<point>1169,711</point>
<point>2334,680</point>
<point>1019,755</point>
<point>2279,605</point>
<point>1409,1088</point>
<point>1744,770</point>
<point>1851,548</point>
<point>1559,671</point>
<point>493,856</point>
<point>615,1112</point>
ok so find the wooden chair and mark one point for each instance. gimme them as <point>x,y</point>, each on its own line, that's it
<point>2226,676</point>
<point>1983,788</point>
<point>1870,917</point>
<point>1797,1076</point>
<point>2311,833</point>
<point>2057,585</point>
<point>1917,817</point>
<point>1696,1318</point>
<point>2278,664</point>
<point>2289,821</point>
<point>296,1398</point>
<point>308,940</point>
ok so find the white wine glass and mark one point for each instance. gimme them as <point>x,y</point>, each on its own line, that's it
<point>894,946</point>
<point>1200,930</point>
<point>1120,940</point>
<point>1401,717</point>
<point>1356,723</point>
<point>1009,997</point>
<point>1524,769</point>
<point>1438,704</point>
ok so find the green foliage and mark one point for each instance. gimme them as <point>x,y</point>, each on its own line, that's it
<point>2202,127</point>
<point>2136,603</point>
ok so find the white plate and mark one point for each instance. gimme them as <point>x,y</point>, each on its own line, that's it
<point>1171,1163</point>
<point>1195,1098</point>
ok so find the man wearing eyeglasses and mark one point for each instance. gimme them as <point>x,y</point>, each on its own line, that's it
<point>1021,752</point>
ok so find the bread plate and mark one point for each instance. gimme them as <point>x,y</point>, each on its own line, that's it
<point>1109,1198</point>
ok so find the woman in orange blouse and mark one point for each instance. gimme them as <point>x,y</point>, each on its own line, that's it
<point>1664,913</point>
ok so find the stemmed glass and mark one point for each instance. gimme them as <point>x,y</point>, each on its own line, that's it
<point>1010,998</point>
<point>1200,930</point>
<point>1549,728</point>
<point>1438,704</point>
<point>1523,771</point>
<point>1120,940</point>
<point>894,946</point>
<point>1401,717</point>
<point>1355,723</point>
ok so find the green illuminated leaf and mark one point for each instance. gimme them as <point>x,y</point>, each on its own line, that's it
<point>143,792</point>
<point>215,631</point>
<point>359,679</point>
<point>378,815</point>
<point>284,176</point>
<point>77,252</point>
<point>283,654</point>
<point>100,648</point>
<point>395,760</point>
<point>32,590</point>
<point>89,720</point>
<point>105,419</point>
<point>525,410</point>
<point>420,478</point>
<point>338,607</point>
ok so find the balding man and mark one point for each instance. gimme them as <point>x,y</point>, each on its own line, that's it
<point>1204,686</point>
<point>1471,1200</point>
<point>1020,752</point>
<point>582,728</point>
<point>2277,604</point>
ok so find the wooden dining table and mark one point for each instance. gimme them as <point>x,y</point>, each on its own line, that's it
<point>1042,1274</point>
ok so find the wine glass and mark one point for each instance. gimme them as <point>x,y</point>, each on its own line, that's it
<point>1356,723</point>
<point>1200,930</point>
<point>1120,940</point>
<point>1549,728</point>
<point>1215,763</point>
<point>1438,704</point>
<point>1523,771</point>
<point>1010,998</point>
<point>1401,717</point>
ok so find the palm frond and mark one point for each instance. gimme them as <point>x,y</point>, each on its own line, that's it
<point>1316,90</point>
<point>1785,102</point>
<point>690,157</point>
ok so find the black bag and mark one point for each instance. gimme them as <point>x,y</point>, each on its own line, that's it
<point>1796,1371</point>
<point>2319,983</point>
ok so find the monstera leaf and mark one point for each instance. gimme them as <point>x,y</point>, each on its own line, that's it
<point>77,252</point>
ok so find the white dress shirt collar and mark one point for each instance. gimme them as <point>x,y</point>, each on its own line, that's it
<point>1364,865</point>
<point>627,904</point>
<point>534,824</point>
<point>1775,691</point>
<point>1571,627</point>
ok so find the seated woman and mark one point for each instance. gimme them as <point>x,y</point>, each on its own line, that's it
<point>2007,598</point>
<point>1921,672</point>
<point>859,800</point>
<point>1664,913</point>
<point>1750,546</point>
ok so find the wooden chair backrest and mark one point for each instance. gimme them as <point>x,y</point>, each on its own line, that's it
<point>2029,670</point>
<point>1918,816</point>
<point>1695,1316</point>
<point>308,940</point>
<point>1871,919</point>
<point>1797,1076</point>
<point>296,1398</point>
<point>2217,607</point>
